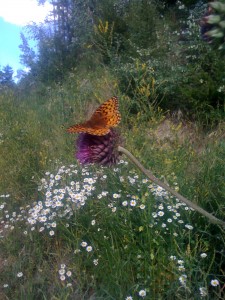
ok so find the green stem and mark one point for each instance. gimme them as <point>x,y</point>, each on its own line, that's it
<point>149,174</point>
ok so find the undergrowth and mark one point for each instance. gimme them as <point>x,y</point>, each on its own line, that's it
<point>69,232</point>
<point>86,237</point>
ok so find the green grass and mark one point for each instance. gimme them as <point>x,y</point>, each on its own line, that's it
<point>134,244</point>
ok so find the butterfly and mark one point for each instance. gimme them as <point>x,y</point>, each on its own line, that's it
<point>106,116</point>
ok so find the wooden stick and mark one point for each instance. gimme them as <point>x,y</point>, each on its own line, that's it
<point>149,174</point>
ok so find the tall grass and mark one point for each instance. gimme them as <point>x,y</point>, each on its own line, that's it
<point>69,232</point>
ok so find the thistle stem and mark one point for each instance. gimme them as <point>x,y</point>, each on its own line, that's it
<point>149,174</point>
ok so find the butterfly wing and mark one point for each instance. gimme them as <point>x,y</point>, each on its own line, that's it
<point>107,115</point>
<point>84,128</point>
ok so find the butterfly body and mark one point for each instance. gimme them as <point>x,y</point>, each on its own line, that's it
<point>106,116</point>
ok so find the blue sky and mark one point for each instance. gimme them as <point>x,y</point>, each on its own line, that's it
<point>9,44</point>
<point>14,15</point>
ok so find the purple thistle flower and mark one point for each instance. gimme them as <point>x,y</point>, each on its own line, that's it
<point>98,149</point>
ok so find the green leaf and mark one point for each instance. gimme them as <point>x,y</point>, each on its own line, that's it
<point>222,47</point>
<point>217,5</point>
<point>216,33</point>
<point>222,24</point>
<point>213,19</point>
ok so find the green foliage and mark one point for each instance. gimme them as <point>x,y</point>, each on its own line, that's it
<point>132,243</point>
<point>202,91</point>
<point>28,55</point>
<point>27,148</point>
<point>6,77</point>
<point>141,19</point>
<point>217,20</point>
<point>138,81</point>
<point>188,73</point>
<point>60,40</point>
<point>114,239</point>
<point>104,41</point>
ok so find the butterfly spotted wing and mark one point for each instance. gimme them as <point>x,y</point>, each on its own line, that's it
<point>106,116</point>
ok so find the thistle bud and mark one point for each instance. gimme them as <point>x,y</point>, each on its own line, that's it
<point>98,149</point>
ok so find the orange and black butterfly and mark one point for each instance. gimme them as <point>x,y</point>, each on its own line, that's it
<point>106,116</point>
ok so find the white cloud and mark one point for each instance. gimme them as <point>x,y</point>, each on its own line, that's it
<point>21,12</point>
